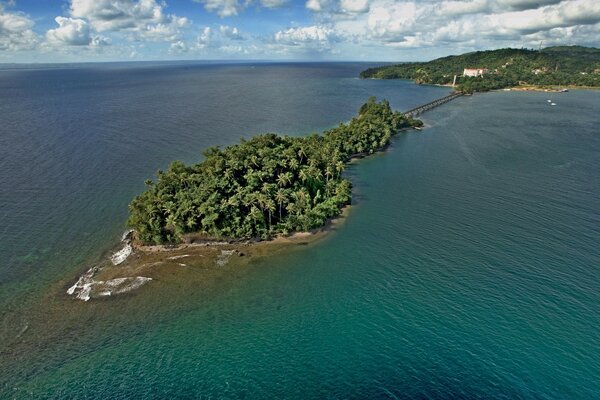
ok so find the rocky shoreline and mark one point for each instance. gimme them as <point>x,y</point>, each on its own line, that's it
<point>133,265</point>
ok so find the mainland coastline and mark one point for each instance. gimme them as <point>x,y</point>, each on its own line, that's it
<point>559,67</point>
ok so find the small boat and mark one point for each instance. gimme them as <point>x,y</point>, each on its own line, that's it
<point>552,104</point>
<point>549,101</point>
<point>564,90</point>
<point>418,128</point>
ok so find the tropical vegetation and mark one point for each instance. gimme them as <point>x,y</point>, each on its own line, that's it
<point>552,66</point>
<point>266,186</point>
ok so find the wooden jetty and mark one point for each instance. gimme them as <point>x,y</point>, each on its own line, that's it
<point>426,107</point>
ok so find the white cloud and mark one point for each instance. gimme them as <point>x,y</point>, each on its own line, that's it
<point>143,19</point>
<point>168,31</point>
<point>204,38</point>
<point>233,49</point>
<point>307,34</point>
<point>354,6</point>
<point>454,8</point>
<point>376,29</point>
<point>114,15</point>
<point>316,5</point>
<point>16,31</point>
<point>229,8</point>
<point>567,13</point>
<point>224,8</point>
<point>98,41</point>
<point>393,21</point>
<point>232,33</point>
<point>178,47</point>
<point>272,3</point>
<point>70,31</point>
<point>462,25</point>
<point>525,4</point>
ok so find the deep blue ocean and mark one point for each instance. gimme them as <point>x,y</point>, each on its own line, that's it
<point>467,268</point>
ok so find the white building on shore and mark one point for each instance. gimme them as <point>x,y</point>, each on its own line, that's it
<point>475,71</point>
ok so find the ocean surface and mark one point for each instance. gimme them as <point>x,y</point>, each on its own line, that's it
<point>467,268</point>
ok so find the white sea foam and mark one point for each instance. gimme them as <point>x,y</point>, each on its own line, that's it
<point>126,235</point>
<point>121,255</point>
<point>81,289</point>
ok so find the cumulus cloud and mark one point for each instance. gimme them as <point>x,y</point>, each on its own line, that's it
<point>316,5</point>
<point>393,21</point>
<point>98,40</point>
<point>319,35</point>
<point>178,47</point>
<point>357,28</point>
<point>467,24</point>
<point>16,31</point>
<point>229,8</point>
<point>224,8</point>
<point>70,31</point>
<point>454,8</point>
<point>230,32</point>
<point>204,38</point>
<point>354,6</point>
<point>144,19</point>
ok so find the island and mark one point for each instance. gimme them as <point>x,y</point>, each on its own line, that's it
<point>264,187</point>
<point>257,198</point>
<point>551,68</point>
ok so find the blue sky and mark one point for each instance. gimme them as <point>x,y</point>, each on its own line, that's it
<point>378,30</point>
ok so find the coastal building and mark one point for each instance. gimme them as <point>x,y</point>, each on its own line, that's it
<point>475,71</point>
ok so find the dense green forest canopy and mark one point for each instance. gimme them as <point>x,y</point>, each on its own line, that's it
<point>262,187</point>
<point>552,66</point>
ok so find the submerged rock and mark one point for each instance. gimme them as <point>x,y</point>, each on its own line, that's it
<point>118,285</point>
<point>87,288</point>
<point>223,258</point>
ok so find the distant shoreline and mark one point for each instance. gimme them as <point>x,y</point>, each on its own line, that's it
<point>533,88</point>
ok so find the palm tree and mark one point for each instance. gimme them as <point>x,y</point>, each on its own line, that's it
<point>302,152</point>
<point>255,215</point>
<point>270,207</point>
<point>280,198</point>
<point>281,179</point>
<point>339,168</point>
<point>328,172</point>
<point>303,175</point>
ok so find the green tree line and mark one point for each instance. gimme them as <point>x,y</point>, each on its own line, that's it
<point>262,187</point>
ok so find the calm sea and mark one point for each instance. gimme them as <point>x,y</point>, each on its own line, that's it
<point>467,269</point>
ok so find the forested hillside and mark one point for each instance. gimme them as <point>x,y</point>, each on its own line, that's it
<point>558,66</point>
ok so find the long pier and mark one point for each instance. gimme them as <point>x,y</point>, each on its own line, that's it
<point>426,107</point>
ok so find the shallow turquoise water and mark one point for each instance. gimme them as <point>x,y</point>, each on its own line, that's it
<point>468,268</point>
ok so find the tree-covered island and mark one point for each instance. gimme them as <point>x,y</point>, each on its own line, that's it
<point>503,68</point>
<point>263,187</point>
